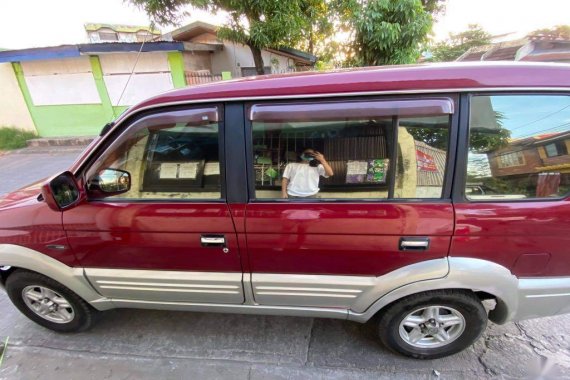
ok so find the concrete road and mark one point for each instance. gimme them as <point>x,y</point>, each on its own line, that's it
<point>19,168</point>
<point>138,344</point>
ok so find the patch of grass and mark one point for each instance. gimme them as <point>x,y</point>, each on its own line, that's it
<point>12,138</point>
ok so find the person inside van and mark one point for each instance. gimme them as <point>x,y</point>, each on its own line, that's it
<point>301,179</point>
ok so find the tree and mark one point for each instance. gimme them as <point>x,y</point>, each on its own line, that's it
<point>458,43</point>
<point>380,31</point>
<point>387,32</point>
<point>318,28</point>
<point>480,140</point>
<point>256,23</point>
<point>561,32</point>
<point>434,7</point>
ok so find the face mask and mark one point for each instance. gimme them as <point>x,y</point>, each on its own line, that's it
<point>306,157</point>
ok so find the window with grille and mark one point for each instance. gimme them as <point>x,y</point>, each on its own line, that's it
<point>367,149</point>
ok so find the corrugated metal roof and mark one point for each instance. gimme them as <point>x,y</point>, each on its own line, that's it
<point>503,54</point>
<point>475,56</point>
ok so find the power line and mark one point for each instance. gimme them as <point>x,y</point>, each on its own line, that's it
<point>541,131</point>
<point>540,119</point>
<point>151,27</point>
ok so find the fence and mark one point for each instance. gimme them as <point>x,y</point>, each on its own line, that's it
<point>204,76</point>
<point>194,78</point>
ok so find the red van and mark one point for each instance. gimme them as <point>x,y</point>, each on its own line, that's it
<point>404,196</point>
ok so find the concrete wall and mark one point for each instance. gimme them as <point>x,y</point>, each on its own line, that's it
<point>279,63</point>
<point>13,109</point>
<point>235,56</point>
<point>77,96</point>
<point>151,76</point>
<point>199,60</point>
<point>61,82</point>
<point>122,63</point>
<point>64,119</point>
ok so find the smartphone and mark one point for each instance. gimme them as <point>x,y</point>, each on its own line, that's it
<point>314,163</point>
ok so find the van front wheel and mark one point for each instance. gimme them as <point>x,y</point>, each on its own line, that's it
<point>49,303</point>
<point>433,324</point>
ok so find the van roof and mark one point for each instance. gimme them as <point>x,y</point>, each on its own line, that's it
<point>389,79</point>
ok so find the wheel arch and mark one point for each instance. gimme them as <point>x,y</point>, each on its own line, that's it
<point>17,257</point>
<point>484,278</point>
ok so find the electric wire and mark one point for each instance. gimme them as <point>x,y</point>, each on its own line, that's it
<point>151,27</point>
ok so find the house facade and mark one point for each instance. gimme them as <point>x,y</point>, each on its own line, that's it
<point>234,58</point>
<point>120,33</point>
<point>74,90</point>
<point>548,152</point>
<point>521,160</point>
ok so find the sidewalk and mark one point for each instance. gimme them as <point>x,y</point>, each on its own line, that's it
<point>79,141</point>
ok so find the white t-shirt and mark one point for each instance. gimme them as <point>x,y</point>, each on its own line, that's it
<point>303,179</point>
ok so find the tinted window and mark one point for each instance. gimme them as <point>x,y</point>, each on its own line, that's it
<point>173,156</point>
<point>518,147</point>
<point>360,151</point>
<point>422,157</point>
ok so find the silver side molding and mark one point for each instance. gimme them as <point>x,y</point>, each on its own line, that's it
<point>356,293</point>
<point>73,278</point>
<point>168,286</point>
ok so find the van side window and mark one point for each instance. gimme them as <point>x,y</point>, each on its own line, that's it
<point>423,143</point>
<point>518,147</point>
<point>351,150</point>
<point>174,155</point>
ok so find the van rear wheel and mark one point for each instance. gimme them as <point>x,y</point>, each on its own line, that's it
<point>49,303</point>
<point>433,324</point>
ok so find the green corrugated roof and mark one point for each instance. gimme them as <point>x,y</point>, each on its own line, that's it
<point>92,27</point>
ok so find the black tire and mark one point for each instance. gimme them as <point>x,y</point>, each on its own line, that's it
<point>463,302</point>
<point>82,315</point>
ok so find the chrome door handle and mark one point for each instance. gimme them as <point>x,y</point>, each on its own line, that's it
<point>414,244</point>
<point>213,240</point>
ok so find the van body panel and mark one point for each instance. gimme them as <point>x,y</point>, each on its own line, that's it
<point>338,258</point>
<point>507,232</point>
<point>25,221</point>
<point>153,235</point>
<point>343,238</point>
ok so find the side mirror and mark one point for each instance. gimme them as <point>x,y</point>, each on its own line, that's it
<point>110,182</point>
<point>61,192</point>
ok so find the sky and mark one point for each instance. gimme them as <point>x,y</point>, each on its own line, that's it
<point>36,23</point>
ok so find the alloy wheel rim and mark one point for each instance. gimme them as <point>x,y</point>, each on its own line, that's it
<point>48,304</point>
<point>432,326</point>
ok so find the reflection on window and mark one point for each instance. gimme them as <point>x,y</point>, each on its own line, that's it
<point>177,160</point>
<point>557,148</point>
<point>361,154</point>
<point>508,160</point>
<point>422,157</point>
<point>518,147</point>
<point>355,150</point>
